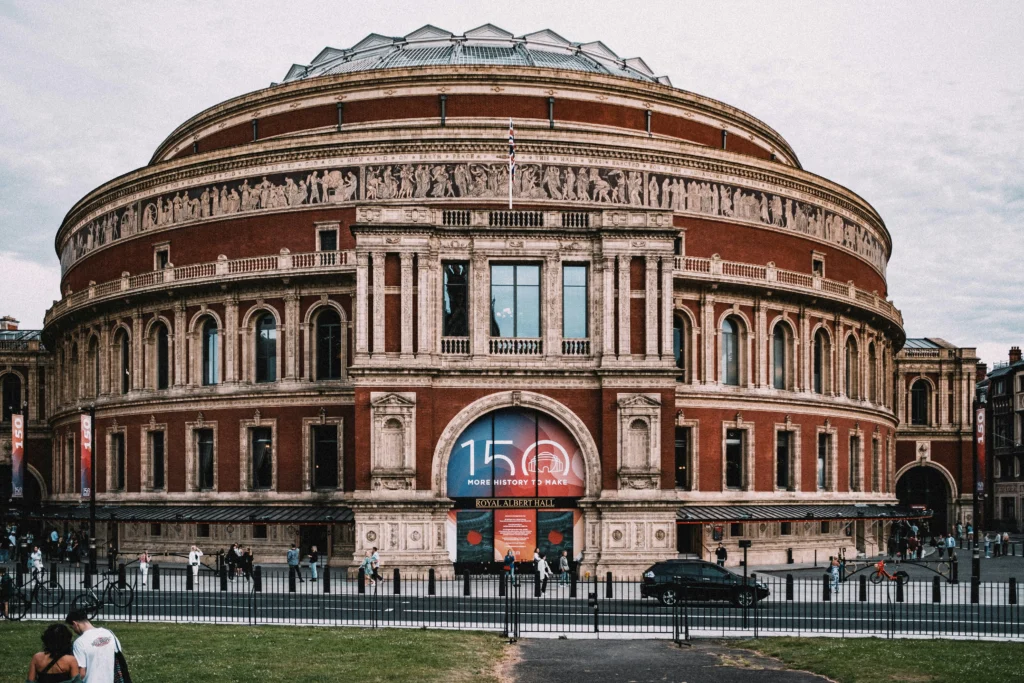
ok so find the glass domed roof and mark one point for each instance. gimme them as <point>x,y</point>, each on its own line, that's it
<point>488,44</point>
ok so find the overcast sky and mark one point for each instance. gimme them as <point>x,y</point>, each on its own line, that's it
<point>918,109</point>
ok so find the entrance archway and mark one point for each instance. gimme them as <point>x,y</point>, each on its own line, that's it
<point>926,486</point>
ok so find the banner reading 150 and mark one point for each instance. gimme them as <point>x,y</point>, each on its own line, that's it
<point>515,452</point>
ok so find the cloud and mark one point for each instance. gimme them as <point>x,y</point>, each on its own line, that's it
<point>29,288</point>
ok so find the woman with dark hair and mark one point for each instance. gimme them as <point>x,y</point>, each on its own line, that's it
<point>56,663</point>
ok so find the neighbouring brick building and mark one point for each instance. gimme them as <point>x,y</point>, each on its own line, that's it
<point>1003,395</point>
<point>313,315</point>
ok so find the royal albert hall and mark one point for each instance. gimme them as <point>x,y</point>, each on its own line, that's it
<point>313,317</point>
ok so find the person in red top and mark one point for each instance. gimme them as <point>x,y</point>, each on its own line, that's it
<point>913,545</point>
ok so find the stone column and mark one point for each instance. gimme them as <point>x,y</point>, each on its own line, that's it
<point>424,296</point>
<point>624,305</point>
<point>406,304</point>
<point>805,381</point>
<point>760,344</point>
<point>667,306</point>
<point>943,396</point>
<point>551,307</point>
<point>362,307</point>
<point>291,333</point>
<point>138,351</point>
<point>480,307</point>
<point>901,396</point>
<point>104,352</point>
<point>230,340</point>
<point>32,391</point>
<point>180,335</point>
<point>651,307</point>
<point>378,303</point>
<point>608,306</point>
<point>707,321</point>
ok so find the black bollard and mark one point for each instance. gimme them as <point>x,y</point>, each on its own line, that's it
<point>154,577</point>
<point>361,577</point>
<point>223,576</point>
<point>789,587</point>
<point>502,590</point>
<point>608,589</point>
<point>862,589</point>
<point>291,580</point>
<point>976,565</point>
<point>936,590</point>
<point>572,584</point>
<point>466,588</point>
<point>257,579</point>
<point>19,574</point>
<point>536,583</point>
<point>975,590</point>
<point>53,573</point>
<point>189,580</point>
<point>121,575</point>
<point>899,591</point>
<point>431,582</point>
<point>826,588</point>
<point>954,569</point>
<point>397,582</point>
<point>327,578</point>
<point>1013,591</point>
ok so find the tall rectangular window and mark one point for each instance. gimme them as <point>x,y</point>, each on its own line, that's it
<point>782,459</point>
<point>118,458</point>
<point>683,458</point>
<point>156,456</point>
<point>261,439</point>
<point>855,463</point>
<point>574,302</point>
<point>325,457</point>
<point>266,349</point>
<point>210,355</point>
<point>204,453</point>
<point>734,458</point>
<point>456,299</point>
<point>876,465</point>
<point>779,357</point>
<point>824,441</point>
<point>515,301</point>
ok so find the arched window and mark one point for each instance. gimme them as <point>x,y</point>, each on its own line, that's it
<point>781,344</point>
<point>852,369</point>
<point>11,394</point>
<point>328,345</point>
<point>211,352</point>
<point>162,356</point>
<point>266,348</point>
<point>822,351</point>
<point>679,346</point>
<point>94,366</point>
<point>729,368</point>
<point>920,402</point>
<point>125,361</point>
<point>872,374</point>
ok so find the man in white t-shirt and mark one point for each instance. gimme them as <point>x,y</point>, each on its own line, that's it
<point>94,649</point>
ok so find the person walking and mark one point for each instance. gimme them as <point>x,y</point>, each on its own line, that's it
<point>35,560</point>
<point>247,564</point>
<point>95,649</point>
<point>194,557</point>
<point>950,545</point>
<point>563,567</point>
<point>314,559</point>
<point>833,571</point>
<point>510,565</point>
<point>1006,543</point>
<point>997,542</point>
<point>375,564</point>
<point>144,566</point>
<point>722,554</point>
<point>292,557</point>
<point>111,557</point>
<point>367,567</point>
<point>959,532</point>
<point>55,663</point>
<point>970,536</point>
<point>987,540</point>
<point>543,572</point>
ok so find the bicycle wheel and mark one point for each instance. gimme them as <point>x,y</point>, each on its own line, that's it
<point>122,597</point>
<point>88,603</point>
<point>18,604</point>
<point>49,594</point>
<point>903,577</point>
<point>876,577</point>
<point>944,568</point>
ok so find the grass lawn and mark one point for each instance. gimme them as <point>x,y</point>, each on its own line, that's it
<point>874,660</point>
<point>189,652</point>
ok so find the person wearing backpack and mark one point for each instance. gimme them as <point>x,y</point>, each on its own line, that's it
<point>97,651</point>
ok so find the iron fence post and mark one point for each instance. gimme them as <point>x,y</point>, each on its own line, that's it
<point>936,590</point>
<point>154,577</point>
<point>899,591</point>
<point>466,587</point>
<point>608,591</point>
<point>789,588</point>
<point>398,582</point>
<point>257,579</point>
<point>121,575</point>
<point>327,578</point>
<point>826,588</point>
<point>1013,591</point>
<point>975,590</point>
<point>189,580</point>
<point>862,589</point>
<point>431,582</point>
<point>361,577</point>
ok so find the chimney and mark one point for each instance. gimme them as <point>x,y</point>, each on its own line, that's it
<point>8,323</point>
<point>1014,354</point>
<point>980,372</point>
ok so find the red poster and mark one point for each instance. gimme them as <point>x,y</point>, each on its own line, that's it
<point>979,435</point>
<point>515,529</point>
<point>86,442</point>
<point>17,456</point>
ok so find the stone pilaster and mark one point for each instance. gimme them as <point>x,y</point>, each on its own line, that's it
<point>608,307</point>
<point>230,340</point>
<point>624,306</point>
<point>178,338</point>
<point>760,345</point>
<point>707,326</point>
<point>378,303</point>
<point>480,310</point>
<point>667,292</point>
<point>425,270</point>
<point>362,307</point>
<point>138,351</point>
<point>651,306</point>
<point>406,299</point>
<point>291,334</point>
<point>551,306</point>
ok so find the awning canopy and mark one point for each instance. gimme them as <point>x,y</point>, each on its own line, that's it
<point>710,514</point>
<point>207,514</point>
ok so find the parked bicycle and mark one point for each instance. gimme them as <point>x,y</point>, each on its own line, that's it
<point>38,588</point>
<point>105,591</point>
<point>880,575</point>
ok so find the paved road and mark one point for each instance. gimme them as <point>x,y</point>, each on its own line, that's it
<point>644,661</point>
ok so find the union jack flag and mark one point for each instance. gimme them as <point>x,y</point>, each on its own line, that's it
<point>511,148</point>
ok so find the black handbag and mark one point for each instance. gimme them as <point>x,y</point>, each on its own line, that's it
<point>121,674</point>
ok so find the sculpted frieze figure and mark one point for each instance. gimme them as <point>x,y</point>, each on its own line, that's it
<point>553,182</point>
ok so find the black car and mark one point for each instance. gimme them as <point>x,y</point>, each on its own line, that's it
<point>674,580</point>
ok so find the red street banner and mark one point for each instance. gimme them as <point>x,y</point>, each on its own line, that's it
<point>86,442</point>
<point>17,456</point>
<point>979,435</point>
